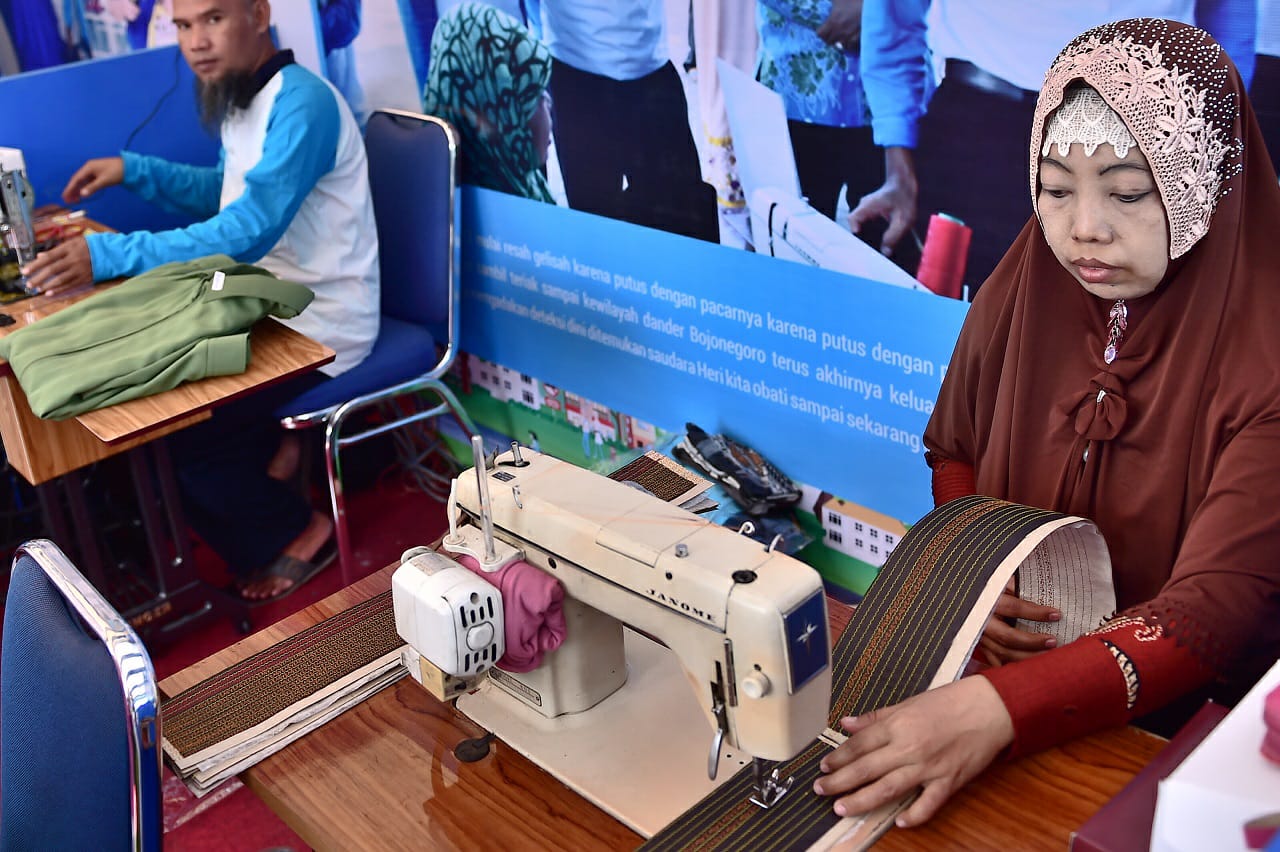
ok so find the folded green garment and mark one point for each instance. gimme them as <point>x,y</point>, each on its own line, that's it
<point>176,323</point>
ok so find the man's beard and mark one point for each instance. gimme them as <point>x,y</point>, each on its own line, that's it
<point>220,98</point>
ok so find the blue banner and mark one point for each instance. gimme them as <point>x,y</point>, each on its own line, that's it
<point>831,377</point>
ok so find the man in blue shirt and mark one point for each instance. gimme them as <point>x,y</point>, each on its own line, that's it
<point>621,120</point>
<point>290,193</point>
<point>810,54</point>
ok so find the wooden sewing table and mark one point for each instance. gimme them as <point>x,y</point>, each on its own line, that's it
<point>383,776</point>
<point>49,453</point>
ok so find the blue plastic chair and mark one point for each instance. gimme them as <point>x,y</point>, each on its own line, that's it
<point>79,721</point>
<point>413,166</point>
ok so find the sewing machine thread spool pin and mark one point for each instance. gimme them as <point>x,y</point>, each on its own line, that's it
<point>517,459</point>
<point>452,509</point>
<point>490,553</point>
<point>486,513</point>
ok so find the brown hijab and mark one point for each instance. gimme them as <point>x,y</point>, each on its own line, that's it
<point>1182,473</point>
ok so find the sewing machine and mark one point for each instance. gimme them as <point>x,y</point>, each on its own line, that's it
<point>17,234</point>
<point>741,661</point>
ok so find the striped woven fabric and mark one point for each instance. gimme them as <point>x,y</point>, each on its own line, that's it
<point>891,649</point>
<point>662,477</point>
<point>238,698</point>
<point>913,612</point>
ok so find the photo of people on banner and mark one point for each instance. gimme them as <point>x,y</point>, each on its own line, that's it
<point>762,124</point>
<point>758,124</point>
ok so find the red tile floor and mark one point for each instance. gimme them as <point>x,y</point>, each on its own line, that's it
<point>387,515</point>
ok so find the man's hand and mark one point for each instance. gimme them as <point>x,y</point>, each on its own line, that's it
<point>66,266</point>
<point>895,200</point>
<point>938,740</point>
<point>1001,643</point>
<point>92,176</point>
<point>843,27</point>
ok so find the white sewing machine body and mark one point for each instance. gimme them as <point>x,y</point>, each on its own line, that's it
<point>726,641</point>
<point>748,624</point>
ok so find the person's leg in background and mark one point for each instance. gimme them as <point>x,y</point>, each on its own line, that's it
<point>584,107</point>
<point>247,517</point>
<point>828,158</point>
<point>972,163</point>
<point>665,189</point>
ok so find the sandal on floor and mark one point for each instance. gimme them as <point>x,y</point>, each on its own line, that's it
<point>289,568</point>
<point>327,553</point>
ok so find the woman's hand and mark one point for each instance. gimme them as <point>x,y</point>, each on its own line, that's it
<point>937,740</point>
<point>1002,643</point>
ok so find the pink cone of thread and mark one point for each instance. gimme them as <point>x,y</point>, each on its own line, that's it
<point>946,251</point>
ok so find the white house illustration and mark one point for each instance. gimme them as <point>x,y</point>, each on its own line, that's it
<point>505,384</point>
<point>858,531</point>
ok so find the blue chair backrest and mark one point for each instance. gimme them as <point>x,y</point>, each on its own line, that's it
<point>65,736</point>
<point>412,177</point>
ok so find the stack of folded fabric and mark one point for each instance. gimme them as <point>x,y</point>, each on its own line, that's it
<point>245,713</point>
<point>667,480</point>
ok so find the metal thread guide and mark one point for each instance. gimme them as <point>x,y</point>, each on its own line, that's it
<point>480,545</point>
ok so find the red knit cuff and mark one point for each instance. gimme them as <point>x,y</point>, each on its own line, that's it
<point>1060,695</point>
<point>952,479</point>
<point>1157,668</point>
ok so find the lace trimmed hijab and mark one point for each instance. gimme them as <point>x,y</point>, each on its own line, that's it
<point>1172,448</point>
<point>487,77</point>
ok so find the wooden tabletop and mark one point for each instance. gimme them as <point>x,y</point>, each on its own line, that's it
<point>277,352</point>
<point>42,450</point>
<point>383,776</point>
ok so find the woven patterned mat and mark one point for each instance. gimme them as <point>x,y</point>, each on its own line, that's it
<point>245,695</point>
<point>889,651</point>
<point>662,477</point>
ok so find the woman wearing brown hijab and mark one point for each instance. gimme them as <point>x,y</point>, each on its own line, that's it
<point>1121,364</point>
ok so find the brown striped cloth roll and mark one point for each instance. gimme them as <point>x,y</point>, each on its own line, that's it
<point>252,709</point>
<point>915,629</point>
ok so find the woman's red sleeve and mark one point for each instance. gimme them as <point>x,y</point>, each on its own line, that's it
<point>951,479</point>
<point>1103,679</point>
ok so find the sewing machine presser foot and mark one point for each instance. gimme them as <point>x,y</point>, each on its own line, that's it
<point>768,789</point>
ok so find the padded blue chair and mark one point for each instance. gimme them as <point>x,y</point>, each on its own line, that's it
<point>413,166</point>
<point>79,719</point>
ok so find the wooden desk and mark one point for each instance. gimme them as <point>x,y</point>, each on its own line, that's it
<point>42,450</point>
<point>383,776</point>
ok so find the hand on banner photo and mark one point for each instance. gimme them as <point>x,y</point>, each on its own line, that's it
<point>843,27</point>
<point>894,201</point>
<point>66,266</point>
<point>1002,643</point>
<point>938,740</point>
